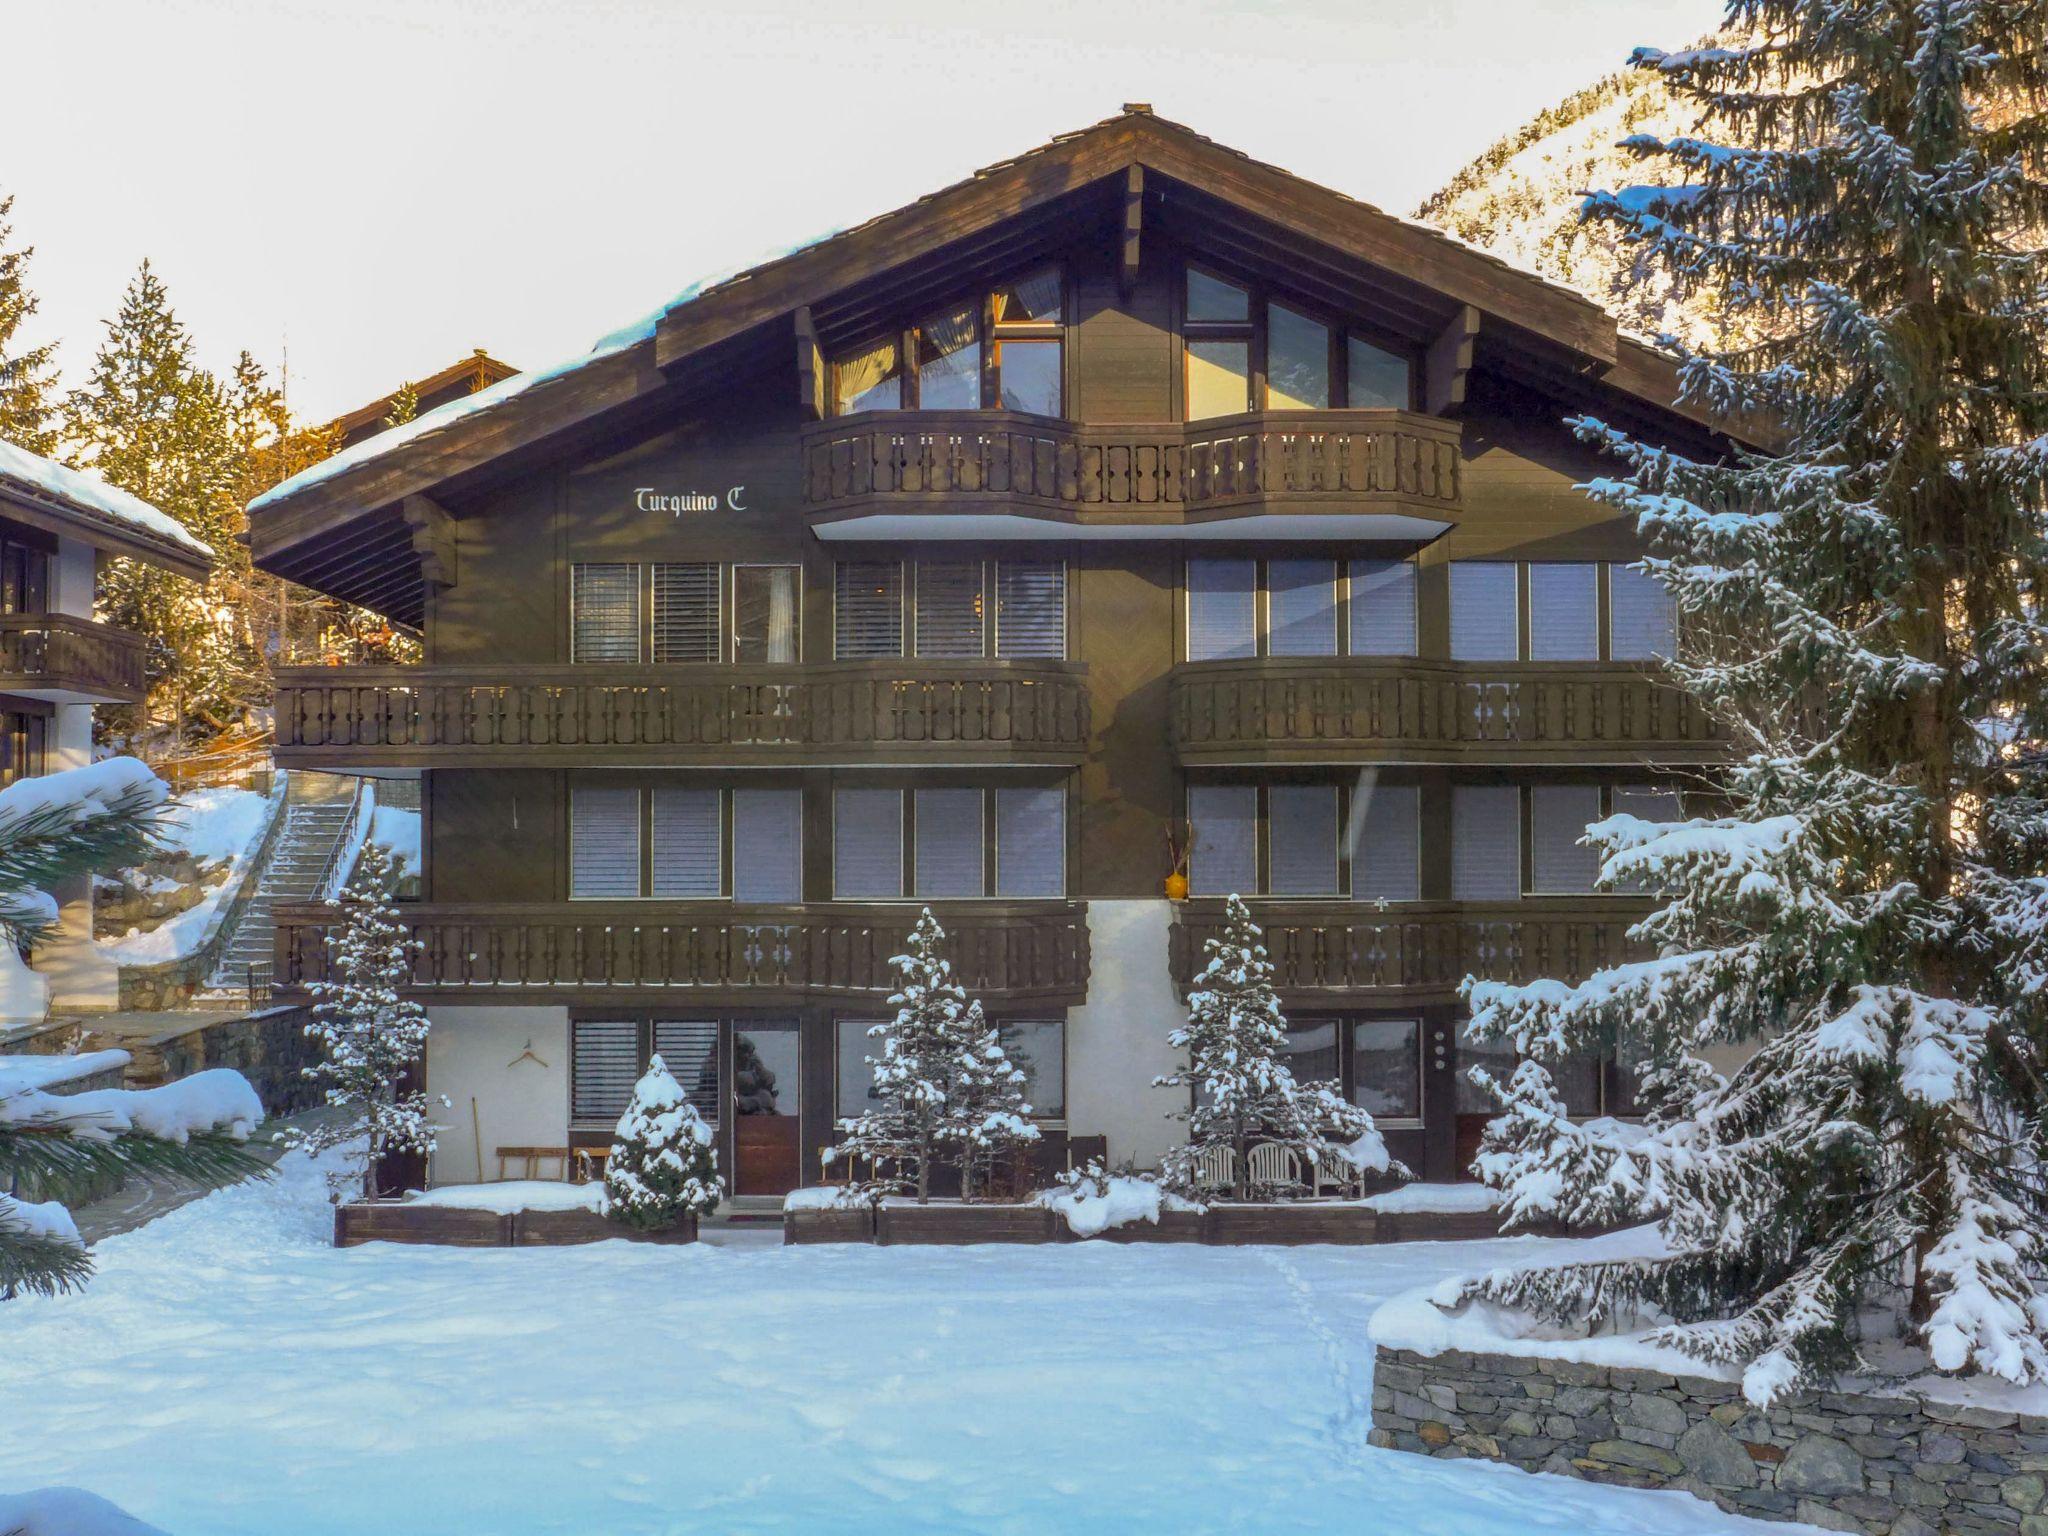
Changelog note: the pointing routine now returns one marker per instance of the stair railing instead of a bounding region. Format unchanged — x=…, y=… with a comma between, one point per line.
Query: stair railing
x=334, y=872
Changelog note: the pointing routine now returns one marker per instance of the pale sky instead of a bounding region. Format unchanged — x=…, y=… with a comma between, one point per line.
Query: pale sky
x=383, y=185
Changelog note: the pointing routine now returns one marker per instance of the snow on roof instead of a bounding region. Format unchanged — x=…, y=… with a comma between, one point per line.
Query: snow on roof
x=84, y=490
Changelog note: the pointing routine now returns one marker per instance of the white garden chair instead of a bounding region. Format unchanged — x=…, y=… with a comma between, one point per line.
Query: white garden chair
x=1216, y=1169
x=1273, y=1165
x=1337, y=1173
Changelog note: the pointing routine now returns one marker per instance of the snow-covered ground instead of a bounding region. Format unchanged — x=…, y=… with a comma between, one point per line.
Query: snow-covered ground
x=229, y=1372
x=215, y=825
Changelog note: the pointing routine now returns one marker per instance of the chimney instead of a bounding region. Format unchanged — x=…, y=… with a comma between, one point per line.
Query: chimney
x=1139, y=106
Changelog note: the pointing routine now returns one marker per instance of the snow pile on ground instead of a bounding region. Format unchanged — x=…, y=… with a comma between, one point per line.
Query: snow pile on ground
x=39, y=1218
x=1090, y=1206
x=218, y=1099
x=824, y=1197
x=213, y=826
x=18, y=1072
x=509, y=1197
x=66, y=1511
x=24, y=995
x=83, y=488
x=1458, y=1199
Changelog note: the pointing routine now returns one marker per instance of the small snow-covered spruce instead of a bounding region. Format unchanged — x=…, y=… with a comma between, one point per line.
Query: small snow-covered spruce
x=988, y=1122
x=373, y=1039
x=662, y=1165
x=1243, y=1092
x=1861, y=607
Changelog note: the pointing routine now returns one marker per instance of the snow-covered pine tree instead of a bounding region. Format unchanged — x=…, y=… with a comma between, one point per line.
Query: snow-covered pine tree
x=988, y=1119
x=28, y=375
x=908, y=1128
x=373, y=1039
x=1863, y=606
x=662, y=1165
x=1243, y=1092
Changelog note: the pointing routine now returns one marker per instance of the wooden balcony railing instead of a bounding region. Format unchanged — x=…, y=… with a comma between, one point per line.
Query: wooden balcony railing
x=899, y=711
x=1002, y=952
x=1297, y=709
x=54, y=653
x=1418, y=951
x=1359, y=461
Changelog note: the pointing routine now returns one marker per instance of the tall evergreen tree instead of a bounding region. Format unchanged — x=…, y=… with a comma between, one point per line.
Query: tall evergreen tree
x=28, y=375
x=1863, y=606
x=987, y=1120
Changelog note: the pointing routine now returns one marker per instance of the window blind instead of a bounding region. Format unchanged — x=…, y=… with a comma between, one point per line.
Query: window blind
x=1564, y=612
x=1031, y=608
x=949, y=842
x=1485, y=616
x=867, y=843
x=1301, y=839
x=604, y=842
x=1486, y=842
x=949, y=608
x=767, y=845
x=868, y=608
x=1031, y=841
x=1558, y=817
x=1223, y=856
x=1386, y=845
x=685, y=843
x=1644, y=623
x=604, y=607
x=605, y=1064
x=1222, y=609
x=1382, y=608
x=689, y=1049
x=686, y=612
x=1301, y=605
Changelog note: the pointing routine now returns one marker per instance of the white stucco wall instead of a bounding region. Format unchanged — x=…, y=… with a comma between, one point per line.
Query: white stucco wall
x=1116, y=1044
x=476, y=1055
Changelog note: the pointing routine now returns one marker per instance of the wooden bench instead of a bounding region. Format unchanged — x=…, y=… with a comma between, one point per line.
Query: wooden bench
x=533, y=1157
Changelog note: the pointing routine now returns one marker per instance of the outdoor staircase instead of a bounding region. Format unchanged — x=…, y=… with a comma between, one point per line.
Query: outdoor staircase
x=302, y=862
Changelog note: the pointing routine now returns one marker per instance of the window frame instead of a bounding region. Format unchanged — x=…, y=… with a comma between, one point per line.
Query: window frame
x=1345, y=1024
x=987, y=788
x=1345, y=791
x=643, y=788
x=1262, y=604
x=731, y=628
x=1525, y=614
x=989, y=335
x=1056, y=1016
x=1254, y=330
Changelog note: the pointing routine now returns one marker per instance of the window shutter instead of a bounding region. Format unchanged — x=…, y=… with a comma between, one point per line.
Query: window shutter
x=949, y=608
x=1564, y=612
x=604, y=603
x=606, y=1064
x=1386, y=850
x=1223, y=858
x=1222, y=609
x=1383, y=608
x=604, y=842
x=1301, y=834
x=1302, y=607
x=1485, y=617
x=868, y=609
x=1486, y=842
x=1645, y=624
x=686, y=612
x=1031, y=608
x=867, y=844
x=1031, y=841
x=948, y=834
x=767, y=845
x=689, y=1049
x=1558, y=817
x=685, y=861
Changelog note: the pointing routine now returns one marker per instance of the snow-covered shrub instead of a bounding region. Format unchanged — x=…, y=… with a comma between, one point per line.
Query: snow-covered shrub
x=663, y=1165
x=1091, y=1199
x=987, y=1122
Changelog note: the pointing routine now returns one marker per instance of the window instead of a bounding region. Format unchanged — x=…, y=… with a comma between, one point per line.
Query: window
x=1029, y=316
x=604, y=613
x=689, y=1049
x=869, y=380
x=1301, y=608
x=1386, y=1076
x=1031, y=608
x=1038, y=1049
x=23, y=746
x=1219, y=347
x=949, y=608
x=1301, y=839
x=1301, y=598
x=1643, y=623
x=868, y=609
x=1558, y=817
x=604, y=843
x=1485, y=614
x=1310, y=1051
x=1386, y=850
x=767, y=845
x=1025, y=323
x=1301, y=357
x=949, y=843
x=683, y=851
x=867, y=844
x=1486, y=842
x=686, y=624
x=1222, y=609
x=1297, y=361
x=767, y=608
x=1223, y=852
x=1497, y=1057
x=855, y=1079
x=949, y=360
x=24, y=578
x=1376, y=380
x=679, y=826
x=1031, y=842
x=1383, y=608
x=1650, y=802
x=607, y=1057
x=1564, y=612
x=1292, y=839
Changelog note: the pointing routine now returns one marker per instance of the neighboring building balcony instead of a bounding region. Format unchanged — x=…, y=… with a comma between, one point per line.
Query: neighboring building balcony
x=907, y=711
x=69, y=660
x=1417, y=952
x=1004, y=952
x=1401, y=464
x=1346, y=709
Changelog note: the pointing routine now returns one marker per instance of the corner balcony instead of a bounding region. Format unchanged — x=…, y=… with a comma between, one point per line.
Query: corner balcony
x=1374, y=709
x=1325, y=952
x=1003, y=952
x=904, y=711
x=1354, y=474
x=70, y=660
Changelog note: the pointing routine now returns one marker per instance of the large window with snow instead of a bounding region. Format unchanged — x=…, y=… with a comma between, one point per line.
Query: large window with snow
x=1297, y=361
x=608, y=1054
x=1386, y=1078
x=1038, y=1049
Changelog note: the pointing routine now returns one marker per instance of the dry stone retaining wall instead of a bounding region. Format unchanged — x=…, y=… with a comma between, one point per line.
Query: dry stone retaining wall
x=1878, y=1465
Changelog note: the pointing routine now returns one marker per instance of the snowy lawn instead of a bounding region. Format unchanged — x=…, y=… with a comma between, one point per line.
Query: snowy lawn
x=230, y=1372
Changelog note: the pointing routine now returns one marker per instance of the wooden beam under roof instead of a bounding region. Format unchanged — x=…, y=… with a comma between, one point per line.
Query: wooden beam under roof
x=1128, y=253
x=433, y=540
x=810, y=368
x=1447, y=365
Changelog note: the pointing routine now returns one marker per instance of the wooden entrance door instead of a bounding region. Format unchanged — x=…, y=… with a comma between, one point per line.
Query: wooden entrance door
x=767, y=1146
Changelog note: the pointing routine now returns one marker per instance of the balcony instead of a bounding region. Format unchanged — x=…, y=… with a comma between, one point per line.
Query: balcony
x=1326, y=951
x=1343, y=709
x=1003, y=952
x=69, y=660
x=869, y=712
x=1401, y=464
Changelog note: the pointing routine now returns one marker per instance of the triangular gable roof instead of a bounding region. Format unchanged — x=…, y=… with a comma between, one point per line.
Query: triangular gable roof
x=62, y=500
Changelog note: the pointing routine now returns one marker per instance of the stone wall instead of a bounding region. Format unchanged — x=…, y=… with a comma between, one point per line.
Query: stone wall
x=271, y=1049
x=1885, y=1466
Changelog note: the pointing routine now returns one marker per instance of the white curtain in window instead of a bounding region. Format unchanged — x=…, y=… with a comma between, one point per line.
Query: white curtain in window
x=1223, y=856
x=604, y=842
x=1302, y=607
x=1485, y=616
x=949, y=843
x=1486, y=842
x=1383, y=608
x=684, y=853
x=767, y=845
x=867, y=844
x=1222, y=609
x=1386, y=842
x=1558, y=817
x=1564, y=611
x=765, y=613
x=1301, y=838
x=1644, y=621
x=1031, y=841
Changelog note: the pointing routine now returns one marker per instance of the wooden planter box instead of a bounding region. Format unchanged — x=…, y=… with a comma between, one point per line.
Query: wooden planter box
x=445, y=1226
x=1438, y=1226
x=964, y=1224
x=1290, y=1225
x=556, y=1229
x=828, y=1226
x=1173, y=1227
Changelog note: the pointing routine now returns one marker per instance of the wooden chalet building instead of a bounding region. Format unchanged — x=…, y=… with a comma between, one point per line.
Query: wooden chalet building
x=958, y=559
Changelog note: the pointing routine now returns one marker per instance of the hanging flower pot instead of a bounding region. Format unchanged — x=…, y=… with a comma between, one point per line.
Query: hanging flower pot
x=1176, y=886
